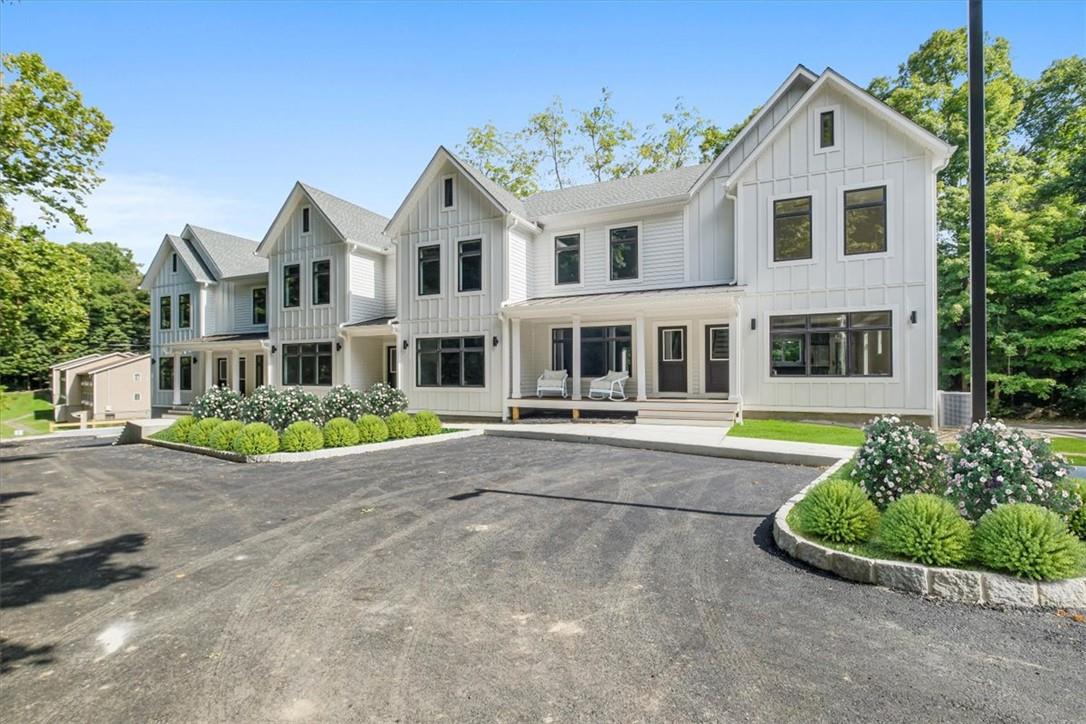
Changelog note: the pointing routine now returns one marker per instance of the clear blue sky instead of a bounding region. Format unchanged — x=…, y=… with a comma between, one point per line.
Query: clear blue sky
x=219, y=107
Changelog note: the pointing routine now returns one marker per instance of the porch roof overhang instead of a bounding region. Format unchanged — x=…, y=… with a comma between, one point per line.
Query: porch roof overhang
x=376, y=327
x=241, y=341
x=716, y=298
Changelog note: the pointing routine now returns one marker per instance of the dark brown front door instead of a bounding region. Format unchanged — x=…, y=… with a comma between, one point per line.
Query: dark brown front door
x=717, y=358
x=390, y=366
x=671, y=359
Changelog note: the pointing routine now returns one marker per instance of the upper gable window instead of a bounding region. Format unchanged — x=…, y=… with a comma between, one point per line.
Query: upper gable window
x=865, y=220
x=292, y=285
x=322, y=281
x=305, y=220
x=792, y=229
x=826, y=130
x=567, y=259
x=173, y=262
x=623, y=243
x=448, y=193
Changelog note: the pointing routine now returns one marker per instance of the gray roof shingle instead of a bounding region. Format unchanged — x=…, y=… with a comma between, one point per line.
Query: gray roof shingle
x=191, y=259
x=234, y=256
x=504, y=196
x=351, y=220
x=619, y=192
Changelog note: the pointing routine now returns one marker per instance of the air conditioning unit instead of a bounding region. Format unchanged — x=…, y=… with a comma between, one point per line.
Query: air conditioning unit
x=955, y=409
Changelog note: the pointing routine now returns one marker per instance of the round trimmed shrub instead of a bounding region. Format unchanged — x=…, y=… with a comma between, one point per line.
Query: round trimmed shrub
x=256, y=438
x=898, y=458
x=292, y=405
x=400, y=425
x=384, y=401
x=221, y=402
x=200, y=434
x=340, y=432
x=301, y=436
x=926, y=528
x=182, y=427
x=167, y=434
x=343, y=401
x=427, y=423
x=838, y=511
x=372, y=429
x=1028, y=541
x=222, y=437
x=257, y=406
x=1076, y=521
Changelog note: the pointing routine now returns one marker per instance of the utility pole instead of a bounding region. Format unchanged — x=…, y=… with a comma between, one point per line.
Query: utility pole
x=978, y=312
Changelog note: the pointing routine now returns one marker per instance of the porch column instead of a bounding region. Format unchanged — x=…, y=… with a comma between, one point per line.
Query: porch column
x=235, y=370
x=735, y=357
x=176, y=378
x=269, y=368
x=346, y=376
x=516, y=358
x=209, y=370
x=576, y=358
x=639, y=356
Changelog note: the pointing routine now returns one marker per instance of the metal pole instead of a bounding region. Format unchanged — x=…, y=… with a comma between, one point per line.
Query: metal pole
x=977, y=278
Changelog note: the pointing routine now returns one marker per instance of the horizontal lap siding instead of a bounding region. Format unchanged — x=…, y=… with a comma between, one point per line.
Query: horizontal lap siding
x=367, y=295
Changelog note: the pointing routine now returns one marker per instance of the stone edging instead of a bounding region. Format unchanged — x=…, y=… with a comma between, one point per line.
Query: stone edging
x=324, y=453
x=953, y=584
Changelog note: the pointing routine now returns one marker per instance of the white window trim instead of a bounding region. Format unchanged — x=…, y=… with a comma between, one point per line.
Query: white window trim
x=302, y=231
x=816, y=128
x=817, y=228
x=485, y=265
x=607, y=252
x=415, y=281
x=715, y=326
x=682, y=333
x=580, y=260
x=413, y=348
x=652, y=352
x=441, y=193
x=331, y=283
x=839, y=215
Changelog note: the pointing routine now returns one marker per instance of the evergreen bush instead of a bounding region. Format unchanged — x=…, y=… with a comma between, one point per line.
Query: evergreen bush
x=372, y=429
x=301, y=436
x=1028, y=541
x=256, y=438
x=927, y=529
x=427, y=423
x=839, y=511
x=400, y=426
x=222, y=437
x=340, y=432
x=200, y=434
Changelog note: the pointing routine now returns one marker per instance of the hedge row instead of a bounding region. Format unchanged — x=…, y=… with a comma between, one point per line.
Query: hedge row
x=260, y=438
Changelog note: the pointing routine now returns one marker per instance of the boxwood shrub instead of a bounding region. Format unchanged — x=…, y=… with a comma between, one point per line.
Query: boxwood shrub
x=838, y=511
x=427, y=423
x=301, y=436
x=222, y=437
x=926, y=528
x=372, y=429
x=256, y=438
x=182, y=427
x=400, y=425
x=340, y=432
x=200, y=434
x=1028, y=541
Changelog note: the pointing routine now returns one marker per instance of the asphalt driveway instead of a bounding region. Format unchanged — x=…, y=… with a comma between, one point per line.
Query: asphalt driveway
x=476, y=580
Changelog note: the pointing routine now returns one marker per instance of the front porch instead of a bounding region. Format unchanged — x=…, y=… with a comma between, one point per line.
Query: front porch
x=189, y=368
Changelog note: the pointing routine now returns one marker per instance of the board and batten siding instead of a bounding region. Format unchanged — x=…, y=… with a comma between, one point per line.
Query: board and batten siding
x=902, y=280
x=452, y=313
x=170, y=284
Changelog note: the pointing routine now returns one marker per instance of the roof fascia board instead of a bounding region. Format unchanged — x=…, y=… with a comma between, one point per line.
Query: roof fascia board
x=618, y=211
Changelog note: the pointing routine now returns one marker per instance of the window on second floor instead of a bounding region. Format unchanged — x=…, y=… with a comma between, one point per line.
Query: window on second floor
x=865, y=220
x=322, y=281
x=448, y=193
x=622, y=243
x=165, y=314
x=567, y=259
x=184, y=311
x=292, y=285
x=260, y=305
x=470, y=265
x=792, y=229
x=305, y=220
x=429, y=270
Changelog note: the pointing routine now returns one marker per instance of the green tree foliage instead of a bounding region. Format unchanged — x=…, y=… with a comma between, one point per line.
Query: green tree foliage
x=50, y=142
x=714, y=140
x=118, y=311
x=675, y=144
x=603, y=137
x=550, y=129
x=504, y=158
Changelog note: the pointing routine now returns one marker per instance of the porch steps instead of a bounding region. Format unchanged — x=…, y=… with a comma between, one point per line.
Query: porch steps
x=177, y=411
x=700, y=413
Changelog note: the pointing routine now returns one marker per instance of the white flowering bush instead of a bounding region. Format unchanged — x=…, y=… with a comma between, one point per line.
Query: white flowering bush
x=343, y=401
x=293, y=404
x=898, y=458
x=997, y=465
x=221, y=402
x=384, y=401
x=256, y=406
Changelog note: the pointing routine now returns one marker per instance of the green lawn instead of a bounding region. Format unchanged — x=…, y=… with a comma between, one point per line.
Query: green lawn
x=1074, y=448
x=799, y=432
x=29, y=411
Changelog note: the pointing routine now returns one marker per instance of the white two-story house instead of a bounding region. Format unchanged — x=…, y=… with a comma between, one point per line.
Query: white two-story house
x=795, y=274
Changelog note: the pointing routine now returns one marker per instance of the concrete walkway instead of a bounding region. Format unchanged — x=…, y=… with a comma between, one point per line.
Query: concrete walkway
x=673, y=438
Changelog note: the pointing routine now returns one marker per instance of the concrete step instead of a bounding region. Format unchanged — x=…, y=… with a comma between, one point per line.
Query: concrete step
x=720, y=424
x=725, y=415
x=690, y=405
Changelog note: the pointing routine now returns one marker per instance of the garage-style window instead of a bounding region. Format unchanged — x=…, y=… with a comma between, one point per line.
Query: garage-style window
x=567, y=259
x=292, y=285
x=622, y=243
x=856, y=344
x=165, y=313
x=470, y=265
x=260, y=305
x=792, y=229
x=429, y=270
x=184, y=311
x=450, y=362
x=322, y=281
x=865, y=220
x=165, y=373
x=307, y=364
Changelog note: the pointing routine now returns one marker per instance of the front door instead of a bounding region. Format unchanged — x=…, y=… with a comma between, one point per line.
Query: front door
x=390, y=366
x=717, y=358
x=222, y=378
x=671, y=363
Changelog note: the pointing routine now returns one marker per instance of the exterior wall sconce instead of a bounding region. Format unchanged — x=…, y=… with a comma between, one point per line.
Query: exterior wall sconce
x=912, y=317
x=339, y=345
x=154, y=361
x=274, y=348
x=753, y=324
x=494, y=341
x=405, y=344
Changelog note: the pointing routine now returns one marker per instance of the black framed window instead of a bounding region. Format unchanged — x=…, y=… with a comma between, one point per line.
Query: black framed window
x=184, y=311
x=185, y=373
x=826, y=130
x=292, y=285
x=173, y=262
x=429, y=270
x=165, y=313
x=470, y=265
x=307, y=364
x=622, y=245
x=448, y=200
x=165, y=373
x=837, y=344
x=603, y=349
x=260, y=305
x=865, y=220
x=305, y=220
x=567, y=259
x=450, y=362
x=792, y=229
x=321, y=272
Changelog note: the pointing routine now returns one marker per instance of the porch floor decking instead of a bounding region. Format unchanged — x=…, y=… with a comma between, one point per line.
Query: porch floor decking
x=693, y=411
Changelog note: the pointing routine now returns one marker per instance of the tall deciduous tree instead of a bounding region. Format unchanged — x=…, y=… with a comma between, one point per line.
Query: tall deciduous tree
x=118, y=311
x=605, y=137
x=551, y=130
x=676, y=144
x=504, y=158
x=714, y=140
